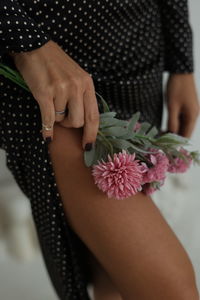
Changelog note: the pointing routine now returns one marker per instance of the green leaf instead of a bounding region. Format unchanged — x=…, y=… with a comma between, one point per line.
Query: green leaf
x=144, y=127
x=131, y=124
x=89, y=156
x=152, y=132
x=14, y=76
x=120, y=143
x=104, y=103
x=100, y=153
x=108, y=122
x=138, y=149
x=171, y=138
x=123, y=144
x=134, y=119
x=195, y=156
x=115, y=131
x=108, y=114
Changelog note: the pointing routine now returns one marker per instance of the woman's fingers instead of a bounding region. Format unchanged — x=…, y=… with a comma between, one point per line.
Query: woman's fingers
x=91, y=124
x=48, y=116
x=173, y=118
x=75, y=116
x=60, y=101
x=182, y=103
x=187, y=124
x=83, y=112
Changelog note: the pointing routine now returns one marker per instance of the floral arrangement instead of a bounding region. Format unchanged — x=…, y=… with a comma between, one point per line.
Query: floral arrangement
x=128, y=155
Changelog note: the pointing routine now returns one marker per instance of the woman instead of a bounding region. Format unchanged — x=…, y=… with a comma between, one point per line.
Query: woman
x=65, y=50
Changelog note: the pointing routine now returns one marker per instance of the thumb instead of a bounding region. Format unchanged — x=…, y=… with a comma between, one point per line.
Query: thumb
x=173, y=120
x=47, y=110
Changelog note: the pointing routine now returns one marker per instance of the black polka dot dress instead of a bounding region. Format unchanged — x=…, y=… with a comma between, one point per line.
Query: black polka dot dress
x=125, y=45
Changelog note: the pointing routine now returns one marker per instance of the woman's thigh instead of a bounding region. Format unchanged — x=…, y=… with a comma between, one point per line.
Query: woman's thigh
x=130, y=238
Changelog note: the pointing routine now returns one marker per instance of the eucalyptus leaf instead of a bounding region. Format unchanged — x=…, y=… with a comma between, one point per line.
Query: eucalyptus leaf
x=108, y=114
x=100, y=153
x=170, y=138
x=138, y=149
x=105, y=105
x=121, y=144
x=152, y=132
x=89, y=156
x=108, y=122
x=144, y=127
x=114, y=131
x=132, y=122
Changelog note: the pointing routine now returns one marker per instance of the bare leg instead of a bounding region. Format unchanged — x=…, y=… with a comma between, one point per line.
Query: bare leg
x=103, y=287
x=130, y=238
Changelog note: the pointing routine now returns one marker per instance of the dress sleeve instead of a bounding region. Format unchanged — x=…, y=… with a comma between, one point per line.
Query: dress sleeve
x=18, y=31
x=178, y=39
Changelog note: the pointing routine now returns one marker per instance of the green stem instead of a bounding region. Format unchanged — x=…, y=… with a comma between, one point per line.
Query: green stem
x=106, y=141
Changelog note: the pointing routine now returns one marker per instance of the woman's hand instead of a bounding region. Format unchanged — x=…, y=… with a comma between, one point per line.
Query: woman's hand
x=57, y=81
x=182, y=103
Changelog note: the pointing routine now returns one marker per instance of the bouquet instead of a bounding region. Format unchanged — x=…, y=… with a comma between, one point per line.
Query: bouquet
x=128, y=155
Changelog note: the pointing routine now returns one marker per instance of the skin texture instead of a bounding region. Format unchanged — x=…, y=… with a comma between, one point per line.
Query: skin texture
x=182, y=103
x=130, y=238
x=132, y=250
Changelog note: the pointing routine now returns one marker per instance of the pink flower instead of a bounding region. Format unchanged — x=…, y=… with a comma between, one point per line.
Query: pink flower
x=178, y=165
x=159, y=167
x=150, y=188
x=121, y=176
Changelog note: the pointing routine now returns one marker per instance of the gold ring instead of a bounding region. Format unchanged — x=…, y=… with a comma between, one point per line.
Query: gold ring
x=46, y=127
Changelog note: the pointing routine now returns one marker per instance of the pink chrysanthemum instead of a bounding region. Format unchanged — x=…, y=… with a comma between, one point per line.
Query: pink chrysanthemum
x=119, y=177
x=178, y=165
x=159, y=167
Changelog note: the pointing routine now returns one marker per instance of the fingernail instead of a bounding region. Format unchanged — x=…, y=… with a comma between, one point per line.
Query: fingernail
x=48, y=140
x=88, y=147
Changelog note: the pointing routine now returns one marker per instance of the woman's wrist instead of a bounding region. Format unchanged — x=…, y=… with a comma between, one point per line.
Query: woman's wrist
x=18, y=55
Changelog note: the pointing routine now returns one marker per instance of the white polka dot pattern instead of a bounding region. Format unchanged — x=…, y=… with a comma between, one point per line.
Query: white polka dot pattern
x=125, y=45
x=177, y=33
x=18, y=31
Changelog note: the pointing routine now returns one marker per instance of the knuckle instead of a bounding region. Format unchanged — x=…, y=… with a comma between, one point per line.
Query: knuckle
x=77, y=123
x=93, y=117
x=44, y=95
x=75, y=82
x=48, y=120
x=88, y=79
x=60, y=85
